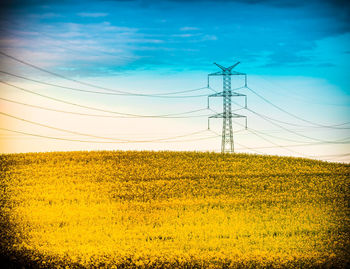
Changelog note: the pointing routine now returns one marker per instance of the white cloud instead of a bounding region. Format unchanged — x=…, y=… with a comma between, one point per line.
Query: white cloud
x=96, y=27
x=209, y=37
x=144, y=40
x=92, y=15
x=184, y=35
x=187, y=28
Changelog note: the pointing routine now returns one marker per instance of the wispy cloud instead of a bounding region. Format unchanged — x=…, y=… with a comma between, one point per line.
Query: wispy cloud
x=101, y=28
x=48, y=15
x=209, y=37
x=131, y=30
x=183, y=35
x=145, y=40
x=187, y=28
x=92, y=15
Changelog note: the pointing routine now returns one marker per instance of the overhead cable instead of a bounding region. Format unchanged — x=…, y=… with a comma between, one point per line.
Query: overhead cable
x=297, y=97
x=245, y=147
x=287, y=112
x=102, y=142
x=273, y=143
x=94, y=136
x=119, y=92
x=296, y=133
x=99, y=109
x=103, y=116
x=335, y=126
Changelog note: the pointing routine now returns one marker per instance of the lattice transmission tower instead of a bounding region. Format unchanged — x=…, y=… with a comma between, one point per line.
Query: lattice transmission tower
x=227, y=144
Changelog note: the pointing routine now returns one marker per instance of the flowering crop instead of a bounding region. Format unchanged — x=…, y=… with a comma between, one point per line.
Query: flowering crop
x=174, y=209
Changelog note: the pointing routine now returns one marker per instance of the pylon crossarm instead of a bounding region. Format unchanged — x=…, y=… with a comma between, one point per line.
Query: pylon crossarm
x=221, y=94
x=216, y=74
x=237, y=73
x=219, y=115
x=218, y=94
x=233, y=66
x=238, y=94
x=220, y=66
x=234, y=115
x=231, y=115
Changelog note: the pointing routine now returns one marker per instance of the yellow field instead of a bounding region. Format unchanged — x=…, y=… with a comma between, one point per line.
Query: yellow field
x=174, y=209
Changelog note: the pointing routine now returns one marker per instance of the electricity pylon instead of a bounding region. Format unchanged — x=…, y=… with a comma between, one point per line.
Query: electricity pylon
x=227, y=144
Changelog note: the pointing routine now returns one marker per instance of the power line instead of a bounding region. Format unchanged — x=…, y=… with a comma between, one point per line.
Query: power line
x=245, y=147
x=101, y=142
x=104, y=116
x=94, y=136
x=298, y=125
x=273, y=143
x=158, y=140
x=289, y=130
x=297, y=97
x=98, y=109
x=165, y=95
x=289, y=113
x=256, y=132
x=310, y=128
x=286, y=146
x=297, y=141
x=59, y=129
x=113, y=91
x=293, y=132
x=334, y=155
x=276, y=145
x=294, y=145
x=340, y=141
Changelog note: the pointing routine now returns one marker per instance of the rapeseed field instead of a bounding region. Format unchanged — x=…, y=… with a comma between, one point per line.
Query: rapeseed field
x=173, y=210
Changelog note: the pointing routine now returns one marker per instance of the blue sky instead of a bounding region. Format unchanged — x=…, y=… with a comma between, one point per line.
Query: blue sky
x=291, y=50
x=273, y=37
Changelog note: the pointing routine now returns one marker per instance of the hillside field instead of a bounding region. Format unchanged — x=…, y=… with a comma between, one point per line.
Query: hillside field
x=173, y=209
